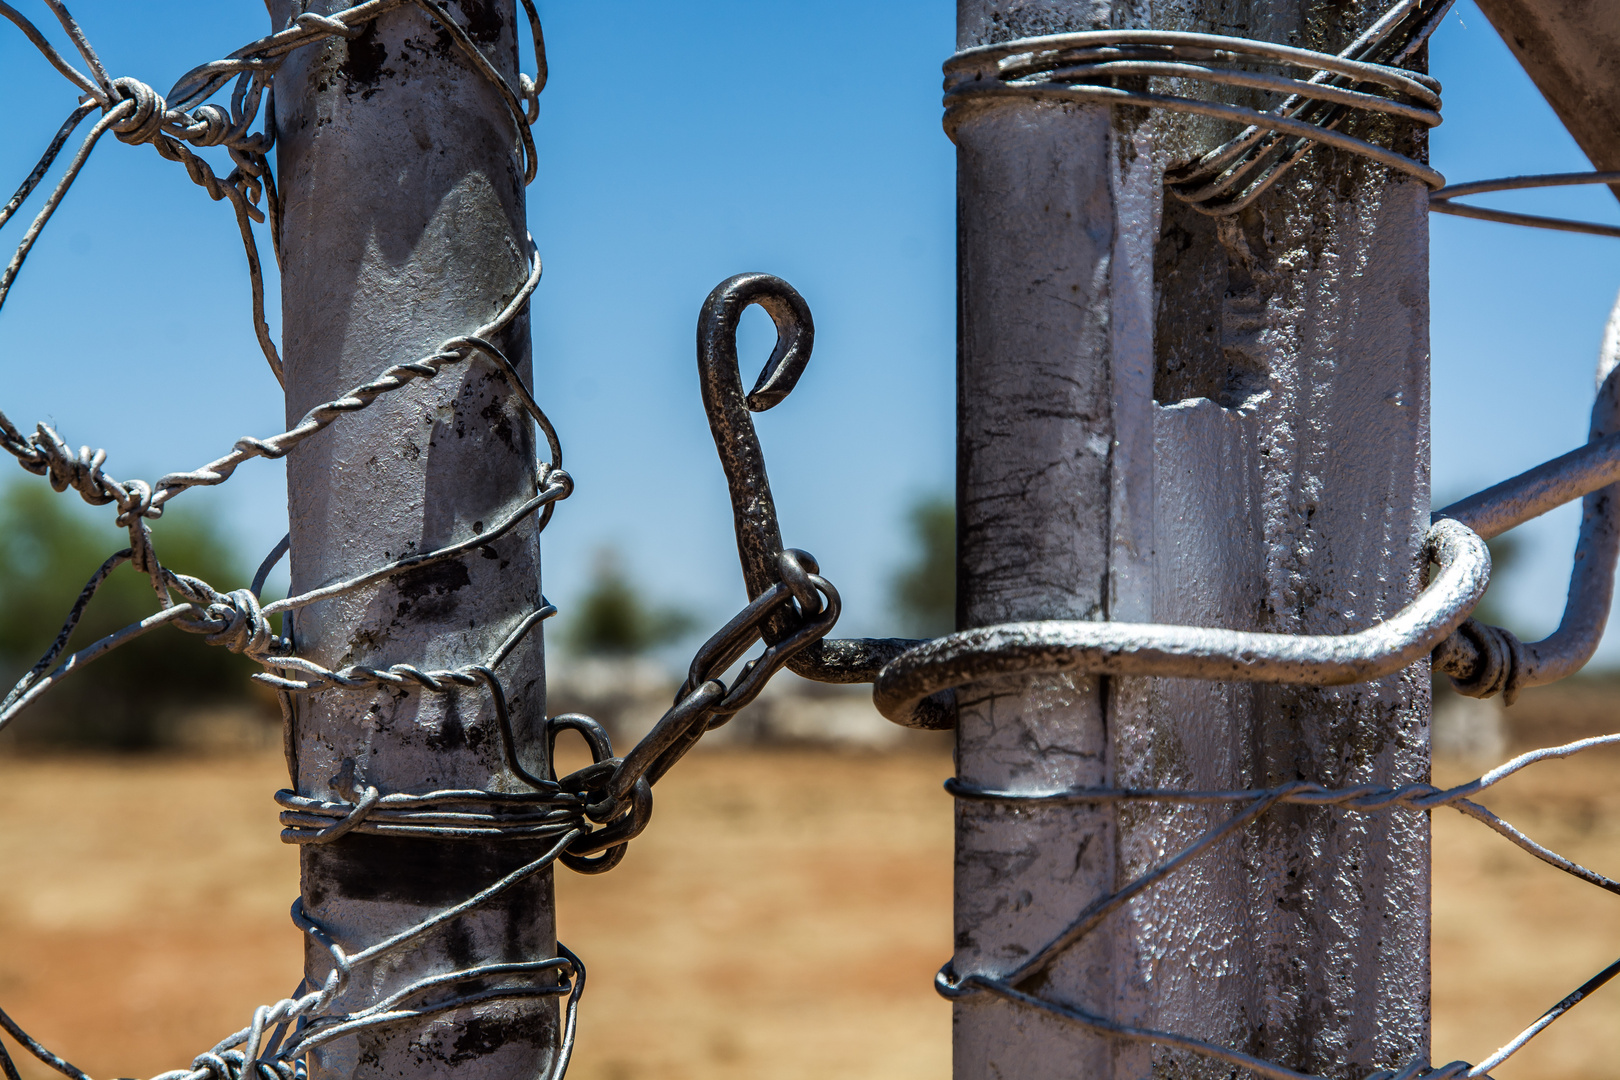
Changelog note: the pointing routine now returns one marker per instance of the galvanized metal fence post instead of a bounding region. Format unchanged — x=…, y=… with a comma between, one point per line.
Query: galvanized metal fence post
x=1176, y=418
x=403, y=227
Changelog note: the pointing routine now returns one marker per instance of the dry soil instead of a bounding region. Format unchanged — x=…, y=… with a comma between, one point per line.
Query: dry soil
x=782, y=918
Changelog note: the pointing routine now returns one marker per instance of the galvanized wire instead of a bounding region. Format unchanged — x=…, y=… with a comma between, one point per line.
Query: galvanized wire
x=562, y=812
x=1440, y=202
x=1366, y=78
x=590, y=816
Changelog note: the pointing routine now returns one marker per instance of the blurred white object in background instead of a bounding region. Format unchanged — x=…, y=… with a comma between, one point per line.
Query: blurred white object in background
x=1472, y=730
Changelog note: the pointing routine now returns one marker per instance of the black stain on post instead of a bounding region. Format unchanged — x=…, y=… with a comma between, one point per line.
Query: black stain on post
x=366, y=64
x=429, y=591
x=415, y=870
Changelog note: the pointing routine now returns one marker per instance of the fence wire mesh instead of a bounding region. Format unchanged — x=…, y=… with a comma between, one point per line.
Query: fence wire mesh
x=589, y=817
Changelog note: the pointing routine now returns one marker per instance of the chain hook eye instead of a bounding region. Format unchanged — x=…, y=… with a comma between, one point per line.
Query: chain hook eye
x=759, y=536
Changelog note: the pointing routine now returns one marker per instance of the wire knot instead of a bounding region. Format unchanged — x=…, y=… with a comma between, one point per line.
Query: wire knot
x=246, y=628
x=1501, y=667
x=81, y=470
x=145, y=123
x=209, y=125
x=226, y=1065
x=134, y=503
x=311, y=20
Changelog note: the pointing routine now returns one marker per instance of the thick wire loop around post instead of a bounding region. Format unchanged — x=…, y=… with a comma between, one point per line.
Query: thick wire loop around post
x=1111, y=67
x=586, y=819
x=1114, y=648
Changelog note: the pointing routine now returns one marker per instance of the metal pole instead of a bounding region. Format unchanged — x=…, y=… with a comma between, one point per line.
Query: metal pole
x=1174, y=418
x=404, y=227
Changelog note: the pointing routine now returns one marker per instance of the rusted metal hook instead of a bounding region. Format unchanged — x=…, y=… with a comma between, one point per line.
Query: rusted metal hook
x=759, y=537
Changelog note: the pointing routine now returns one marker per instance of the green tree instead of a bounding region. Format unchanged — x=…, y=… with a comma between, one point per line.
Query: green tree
x=613, y=618
x=129, y=698
x=925, y=589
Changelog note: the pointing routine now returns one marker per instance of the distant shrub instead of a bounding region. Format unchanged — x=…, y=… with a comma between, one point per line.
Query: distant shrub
x=925, y=590
x=614, y=619
x=138, y=696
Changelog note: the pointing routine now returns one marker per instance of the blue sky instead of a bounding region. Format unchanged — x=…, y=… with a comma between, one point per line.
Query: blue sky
x=682, y=143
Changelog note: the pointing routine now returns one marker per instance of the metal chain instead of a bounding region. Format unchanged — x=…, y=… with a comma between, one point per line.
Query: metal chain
x=589, y=816
x=791, y=606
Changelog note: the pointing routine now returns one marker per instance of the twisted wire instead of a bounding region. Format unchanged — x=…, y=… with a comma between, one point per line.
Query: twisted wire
x=282, y=1033
x=173, y=124
x=1364, y=798
x=236, y=620
x=791, y=615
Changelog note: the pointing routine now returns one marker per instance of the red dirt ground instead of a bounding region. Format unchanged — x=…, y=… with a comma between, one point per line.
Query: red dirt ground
x=782, y=918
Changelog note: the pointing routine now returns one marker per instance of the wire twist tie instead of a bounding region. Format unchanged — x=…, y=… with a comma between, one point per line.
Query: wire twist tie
x=311, y=20
x=1501, y=668
x=247, y=628
x=144, y=124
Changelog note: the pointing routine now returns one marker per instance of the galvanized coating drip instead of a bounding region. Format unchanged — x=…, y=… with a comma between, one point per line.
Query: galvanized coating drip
x=1368, y=798
x=1086, y=67
x=590, y=816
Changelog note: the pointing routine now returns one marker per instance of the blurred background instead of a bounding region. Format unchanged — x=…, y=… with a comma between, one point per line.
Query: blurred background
x=788, y=915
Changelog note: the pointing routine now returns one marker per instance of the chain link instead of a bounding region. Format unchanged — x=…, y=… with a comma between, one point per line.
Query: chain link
x=589, y=817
